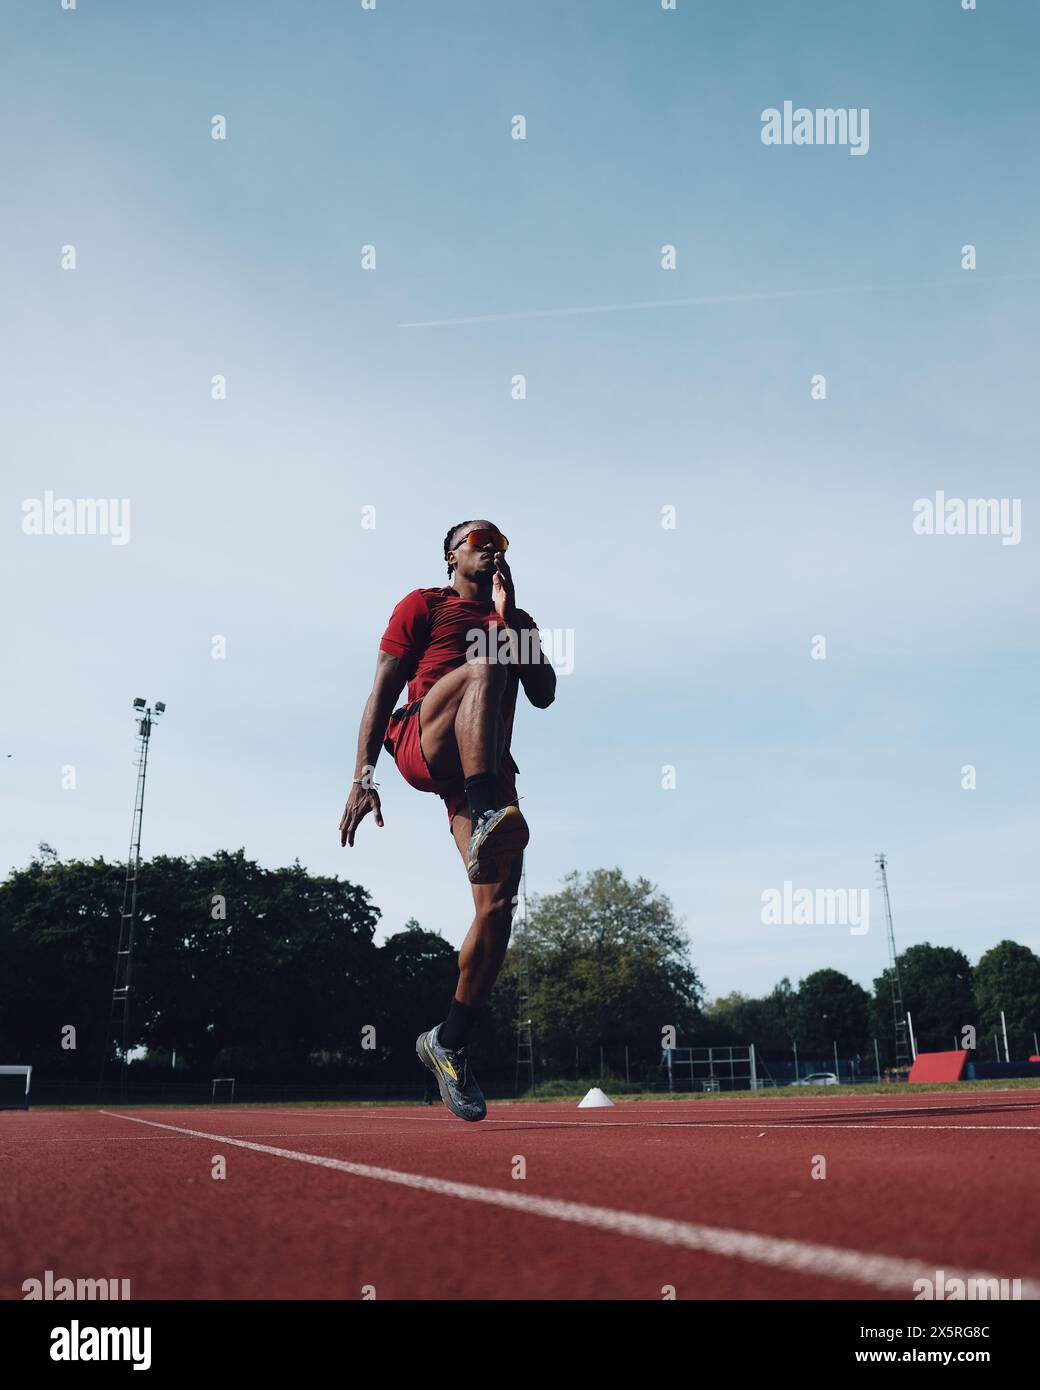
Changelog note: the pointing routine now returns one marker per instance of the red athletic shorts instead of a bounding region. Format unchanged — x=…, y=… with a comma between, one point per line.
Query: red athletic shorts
x=402, y=742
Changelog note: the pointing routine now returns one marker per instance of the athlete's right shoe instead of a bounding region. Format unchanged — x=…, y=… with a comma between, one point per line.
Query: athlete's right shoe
x=497, y=838
x=459, y=1091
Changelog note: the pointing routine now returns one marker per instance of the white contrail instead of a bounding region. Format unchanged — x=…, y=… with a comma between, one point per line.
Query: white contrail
x=708, y=299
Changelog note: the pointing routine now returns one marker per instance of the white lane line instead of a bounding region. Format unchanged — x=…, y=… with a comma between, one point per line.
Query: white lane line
x=769, y=1125
x=873, y=1104
x=159, y=1138
x=511, y=1122
x=727, y=1124
x=888, y=1272
x=774, y=1109
x=860, y=1110
x=796, y=1101
x=544, y=1123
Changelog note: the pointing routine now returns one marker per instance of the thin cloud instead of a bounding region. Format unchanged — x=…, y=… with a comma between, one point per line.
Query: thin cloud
x=711, y=299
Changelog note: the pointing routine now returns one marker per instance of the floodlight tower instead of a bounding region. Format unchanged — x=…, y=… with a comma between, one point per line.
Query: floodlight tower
x=898, y=1012
x=119, y=1013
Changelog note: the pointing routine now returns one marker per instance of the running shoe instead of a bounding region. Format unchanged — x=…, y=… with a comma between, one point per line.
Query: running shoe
x=498, y=837
x=459, y=1091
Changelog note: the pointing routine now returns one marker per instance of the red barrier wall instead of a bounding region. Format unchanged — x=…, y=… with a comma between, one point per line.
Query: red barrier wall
x=938, y=1066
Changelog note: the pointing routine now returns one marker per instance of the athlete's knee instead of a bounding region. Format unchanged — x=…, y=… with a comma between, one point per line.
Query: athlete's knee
x=497, y=912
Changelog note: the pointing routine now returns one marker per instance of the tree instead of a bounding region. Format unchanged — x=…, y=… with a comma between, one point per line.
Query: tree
x=937, y=990
x=1008, y=977
x=234, y=965
x=608, y=965
x=418, y=973
x=829, y=1008
x=254, y=967
x=737, y=1019
x=58, y=928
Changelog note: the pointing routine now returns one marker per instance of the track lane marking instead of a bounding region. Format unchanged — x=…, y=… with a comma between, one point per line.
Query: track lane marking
x=511, y=1122
x=774, y=1123
x=890, y=1273
x=158, y=1138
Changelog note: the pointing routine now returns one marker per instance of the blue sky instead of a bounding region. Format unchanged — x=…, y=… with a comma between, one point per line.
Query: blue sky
x=241, y=257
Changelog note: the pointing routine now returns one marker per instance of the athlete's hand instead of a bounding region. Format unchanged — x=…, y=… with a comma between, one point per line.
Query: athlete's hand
x=505, y=593
x=361, y=800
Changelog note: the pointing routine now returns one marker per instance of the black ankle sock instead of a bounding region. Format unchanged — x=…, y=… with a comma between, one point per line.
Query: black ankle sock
x=481, y=795
x=456, y=1028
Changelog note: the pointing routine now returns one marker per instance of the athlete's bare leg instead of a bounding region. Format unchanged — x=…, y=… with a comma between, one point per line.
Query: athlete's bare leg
x=461, y=727
x=443, y=1049
x=462, y=735
x=484, y=949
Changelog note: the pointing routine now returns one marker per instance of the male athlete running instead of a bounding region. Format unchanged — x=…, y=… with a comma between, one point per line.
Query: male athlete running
x=463, y=649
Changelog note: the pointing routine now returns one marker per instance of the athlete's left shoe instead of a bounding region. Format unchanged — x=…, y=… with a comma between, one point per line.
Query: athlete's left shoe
x=497, y=838
x=459, y=1091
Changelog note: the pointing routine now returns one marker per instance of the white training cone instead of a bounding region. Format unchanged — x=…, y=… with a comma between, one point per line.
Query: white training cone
x=594, y=1098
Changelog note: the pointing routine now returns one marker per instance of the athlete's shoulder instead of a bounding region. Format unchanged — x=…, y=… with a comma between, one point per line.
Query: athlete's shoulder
x=435, y=598
x=409, y=625
x=418, y=599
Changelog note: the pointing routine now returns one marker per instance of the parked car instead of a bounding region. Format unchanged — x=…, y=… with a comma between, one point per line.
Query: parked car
x=818, y=1078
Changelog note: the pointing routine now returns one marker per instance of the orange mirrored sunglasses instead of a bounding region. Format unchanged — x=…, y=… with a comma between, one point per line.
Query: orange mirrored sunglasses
x=480, y=538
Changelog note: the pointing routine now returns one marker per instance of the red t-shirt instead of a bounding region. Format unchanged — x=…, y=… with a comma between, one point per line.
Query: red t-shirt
x=428, y=631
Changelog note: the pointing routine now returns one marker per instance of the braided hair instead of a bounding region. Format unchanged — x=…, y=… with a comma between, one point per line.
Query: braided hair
x=447, y=541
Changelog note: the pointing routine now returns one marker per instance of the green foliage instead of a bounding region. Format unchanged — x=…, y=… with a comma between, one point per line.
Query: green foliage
x=566, y=1088
x=737, y=1019
x=418, y=971
x=608, y=965
x=938, y=991
x=1008, y=977
x=273, y=975
x=234, y=965
x=829, y=1008
x=58, y=929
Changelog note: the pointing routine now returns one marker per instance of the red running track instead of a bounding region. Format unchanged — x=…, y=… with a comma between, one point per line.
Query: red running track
x=713, y=1198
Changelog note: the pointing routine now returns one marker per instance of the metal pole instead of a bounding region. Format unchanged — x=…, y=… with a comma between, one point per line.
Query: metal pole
x=837, y=1067
x=146, y=729
x=898, y=1013
x=1036, y=1050
x=913, y=1040
x=795, y=1045
x=754, y=1072
x=1003, y=1024
x=877, y=1060
x=122, y=988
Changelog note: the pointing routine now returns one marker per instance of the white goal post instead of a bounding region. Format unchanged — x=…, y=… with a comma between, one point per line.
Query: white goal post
x=20, y=1099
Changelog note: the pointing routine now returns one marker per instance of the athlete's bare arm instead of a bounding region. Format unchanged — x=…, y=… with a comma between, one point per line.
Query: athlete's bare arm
x=537, y=676
x=389, y=682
